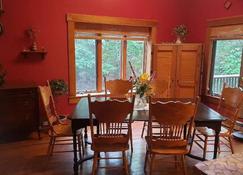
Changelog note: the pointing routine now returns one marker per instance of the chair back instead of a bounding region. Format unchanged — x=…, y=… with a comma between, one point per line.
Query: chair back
x=118, y=88
x=48, y=106
x=109, y=115
x=172, y=119
x=229, y=105
x=159, y=88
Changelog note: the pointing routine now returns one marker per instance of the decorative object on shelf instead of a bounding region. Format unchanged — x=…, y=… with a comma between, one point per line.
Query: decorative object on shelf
x=180, y=31
x=32, y=34
x=33, y=49
x=227, y=4
x=2, y=75
x=58, y=87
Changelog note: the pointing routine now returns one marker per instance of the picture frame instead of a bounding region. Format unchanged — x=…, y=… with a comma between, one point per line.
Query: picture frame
x=227, y=4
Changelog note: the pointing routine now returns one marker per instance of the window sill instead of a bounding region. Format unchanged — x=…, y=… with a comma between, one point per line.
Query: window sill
x=75, y=99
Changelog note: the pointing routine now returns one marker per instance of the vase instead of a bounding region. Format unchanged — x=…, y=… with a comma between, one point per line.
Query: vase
x=178, y=40
x=140, y=102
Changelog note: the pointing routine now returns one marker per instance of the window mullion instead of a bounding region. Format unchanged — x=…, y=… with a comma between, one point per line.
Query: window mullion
x=99, y=64
x=124, y=59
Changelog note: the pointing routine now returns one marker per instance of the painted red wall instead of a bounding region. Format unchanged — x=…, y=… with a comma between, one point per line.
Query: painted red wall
x=199, y=11
x=48, y=16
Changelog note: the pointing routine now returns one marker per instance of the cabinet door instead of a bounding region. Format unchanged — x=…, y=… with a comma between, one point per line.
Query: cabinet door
x=188, y=70
x=164, y=65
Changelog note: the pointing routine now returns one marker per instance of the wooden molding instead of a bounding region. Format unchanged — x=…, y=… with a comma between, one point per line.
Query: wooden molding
x=225, y=21
x=111, y=20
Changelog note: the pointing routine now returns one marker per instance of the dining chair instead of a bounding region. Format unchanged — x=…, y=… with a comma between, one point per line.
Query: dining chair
x=229, y=106
x=172, y=137
x=159, y=88
x=59, y=130
x=119, y=89
x=110, y=136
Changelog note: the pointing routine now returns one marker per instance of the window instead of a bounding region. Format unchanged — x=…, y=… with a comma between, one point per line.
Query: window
x=225, y=53
x=106, y=46
x=226, y=65
x=85, y=61
x=117, y=57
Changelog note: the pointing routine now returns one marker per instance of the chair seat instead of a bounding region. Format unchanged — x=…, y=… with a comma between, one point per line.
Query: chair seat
x=211, y=133
x=62, y=130
x=167, y=146
x=110, y=144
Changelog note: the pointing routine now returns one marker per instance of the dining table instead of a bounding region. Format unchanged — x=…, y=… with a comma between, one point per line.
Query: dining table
x=205, y=117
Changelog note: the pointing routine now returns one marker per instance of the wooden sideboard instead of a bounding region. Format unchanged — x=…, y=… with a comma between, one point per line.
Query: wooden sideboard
x=19, y=112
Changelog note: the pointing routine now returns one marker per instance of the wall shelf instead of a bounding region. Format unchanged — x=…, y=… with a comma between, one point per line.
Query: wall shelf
x=42, y=53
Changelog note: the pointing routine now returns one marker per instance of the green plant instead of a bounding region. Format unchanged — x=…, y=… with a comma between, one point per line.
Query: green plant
x=180, y=30
x=2, y=75
x=58, y=86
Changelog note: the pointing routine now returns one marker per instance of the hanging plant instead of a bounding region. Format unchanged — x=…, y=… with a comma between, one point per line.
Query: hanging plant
x=2, y=75
x=58, y=87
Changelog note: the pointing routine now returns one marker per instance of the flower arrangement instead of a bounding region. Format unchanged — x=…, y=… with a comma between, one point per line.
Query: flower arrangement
x=142, y=85
x=2, y=75
x=180, y=30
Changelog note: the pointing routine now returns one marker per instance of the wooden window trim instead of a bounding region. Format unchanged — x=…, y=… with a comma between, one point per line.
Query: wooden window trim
x=73, y=19
x=214, y=23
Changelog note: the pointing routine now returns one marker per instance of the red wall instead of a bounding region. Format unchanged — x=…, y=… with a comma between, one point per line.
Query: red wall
x=48, y=16
x=199, y=11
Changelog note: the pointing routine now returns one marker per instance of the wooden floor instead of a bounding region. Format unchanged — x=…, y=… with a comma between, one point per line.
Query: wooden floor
x=29, y=157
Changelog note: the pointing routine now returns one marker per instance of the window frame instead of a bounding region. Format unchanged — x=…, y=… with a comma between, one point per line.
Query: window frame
x=73, y=19
x=215, y=30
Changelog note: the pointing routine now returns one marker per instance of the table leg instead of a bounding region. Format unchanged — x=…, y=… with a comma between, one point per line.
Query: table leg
x=75, y=159
x=216, y=142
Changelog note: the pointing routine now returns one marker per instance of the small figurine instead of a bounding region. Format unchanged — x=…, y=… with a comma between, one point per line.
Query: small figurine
x=32, y=34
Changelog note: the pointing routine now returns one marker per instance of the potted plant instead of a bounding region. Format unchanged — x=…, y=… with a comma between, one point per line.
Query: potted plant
x=2, y=75
x=58, y=86
x=180, y=31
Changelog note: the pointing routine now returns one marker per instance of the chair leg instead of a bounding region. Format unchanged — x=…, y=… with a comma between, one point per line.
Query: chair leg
x=144, y=125
x=205, y=147
x=131, y=142
x=192, y=139
x=183, y=165
x=145, y=161
x=94, y=168
x=52, y=146
x=49, y=146
x=231, y=146
x=125, y=163
x=79, y=146
x=151, y=164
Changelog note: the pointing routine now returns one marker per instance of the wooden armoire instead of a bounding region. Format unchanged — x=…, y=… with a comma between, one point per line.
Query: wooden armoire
x=179, y=65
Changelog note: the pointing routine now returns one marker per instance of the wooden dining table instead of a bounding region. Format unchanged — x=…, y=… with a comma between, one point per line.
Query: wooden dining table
x=205, y=117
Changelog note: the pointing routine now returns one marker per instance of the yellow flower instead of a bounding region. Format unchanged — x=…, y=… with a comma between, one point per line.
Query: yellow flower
x=144, y=77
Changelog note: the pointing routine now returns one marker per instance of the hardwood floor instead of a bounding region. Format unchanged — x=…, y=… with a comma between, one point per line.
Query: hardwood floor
x=29, y=157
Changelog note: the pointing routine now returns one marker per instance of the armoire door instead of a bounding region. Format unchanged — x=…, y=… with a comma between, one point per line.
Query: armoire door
x=164, y=65
x=188, y=70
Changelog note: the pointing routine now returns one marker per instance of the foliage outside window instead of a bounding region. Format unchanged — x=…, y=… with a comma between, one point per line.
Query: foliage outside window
x=114, y=54
x=227, y=62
